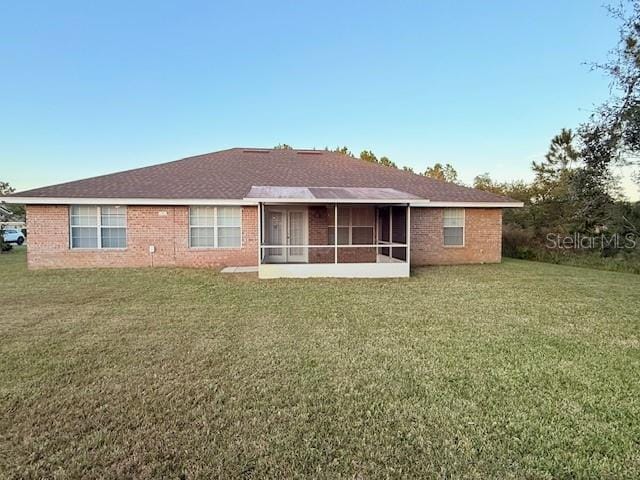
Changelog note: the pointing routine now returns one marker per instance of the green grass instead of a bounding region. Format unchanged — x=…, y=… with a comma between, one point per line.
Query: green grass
x=518, y=370
x=625, y=262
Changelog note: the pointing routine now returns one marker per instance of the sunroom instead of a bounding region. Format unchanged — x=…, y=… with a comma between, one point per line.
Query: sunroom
x=333, y=231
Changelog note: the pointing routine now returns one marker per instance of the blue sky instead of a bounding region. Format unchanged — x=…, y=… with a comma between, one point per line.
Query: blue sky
x=94, y=87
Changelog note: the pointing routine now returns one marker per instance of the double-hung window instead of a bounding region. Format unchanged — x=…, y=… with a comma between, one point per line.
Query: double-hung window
x=98, y=226
x=453, y=227
x=215, y=227
x=355, y=225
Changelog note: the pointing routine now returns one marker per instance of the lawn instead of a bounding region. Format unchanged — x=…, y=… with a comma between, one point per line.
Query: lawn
x=518, y=370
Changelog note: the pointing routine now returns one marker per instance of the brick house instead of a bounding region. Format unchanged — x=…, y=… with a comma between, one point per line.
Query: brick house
x=293, y=213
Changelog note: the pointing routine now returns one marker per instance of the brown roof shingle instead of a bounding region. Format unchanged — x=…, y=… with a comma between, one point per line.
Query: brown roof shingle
x=230, y=174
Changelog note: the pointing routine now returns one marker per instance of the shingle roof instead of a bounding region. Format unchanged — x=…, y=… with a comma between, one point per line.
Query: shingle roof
x=230, y=174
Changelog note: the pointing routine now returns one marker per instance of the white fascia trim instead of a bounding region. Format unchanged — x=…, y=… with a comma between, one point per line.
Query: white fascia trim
x=245, y=201
x=286, y=201
x=419, y=203
x=124, y=201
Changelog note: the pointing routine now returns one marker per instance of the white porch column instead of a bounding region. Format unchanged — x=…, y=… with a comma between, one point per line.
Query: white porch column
x=260, y=231
x=335, y=232
x=408, y=242
x=390, y=233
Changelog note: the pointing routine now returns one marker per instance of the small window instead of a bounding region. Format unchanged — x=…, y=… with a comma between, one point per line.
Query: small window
x=98, y=227
x=215, y=227
x=453, y=226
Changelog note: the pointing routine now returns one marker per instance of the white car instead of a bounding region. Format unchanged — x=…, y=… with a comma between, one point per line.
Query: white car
x=11, y=235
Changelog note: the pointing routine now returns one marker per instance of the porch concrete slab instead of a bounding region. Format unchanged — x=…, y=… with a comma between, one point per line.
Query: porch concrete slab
x=240, y=270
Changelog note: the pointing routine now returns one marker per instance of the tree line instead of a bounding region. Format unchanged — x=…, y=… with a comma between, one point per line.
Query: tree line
x=438, y=171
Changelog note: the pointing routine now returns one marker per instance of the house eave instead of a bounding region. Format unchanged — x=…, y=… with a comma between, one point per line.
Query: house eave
x=124, y=201
x=447, y=204
x=247, y=201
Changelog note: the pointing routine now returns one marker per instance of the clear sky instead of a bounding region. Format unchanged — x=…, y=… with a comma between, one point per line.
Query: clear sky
x=94, y=87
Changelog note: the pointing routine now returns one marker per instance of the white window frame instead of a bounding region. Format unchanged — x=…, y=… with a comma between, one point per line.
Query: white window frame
x=215, y=227
x=464, y=227
x=350, y=226
x=98, y=226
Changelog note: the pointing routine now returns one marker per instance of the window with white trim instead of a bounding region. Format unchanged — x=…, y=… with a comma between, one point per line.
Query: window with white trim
x=98, y=226
x=355, y=225
x=453, y=226
x=215, y=227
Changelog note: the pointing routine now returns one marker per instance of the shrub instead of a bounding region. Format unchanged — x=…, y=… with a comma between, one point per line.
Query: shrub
x=517, y=242
x=4, y=247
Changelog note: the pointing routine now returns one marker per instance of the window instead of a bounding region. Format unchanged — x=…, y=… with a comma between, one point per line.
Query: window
x=454, y=226
x=215, y=227
x=355, y=225
x=98, y=227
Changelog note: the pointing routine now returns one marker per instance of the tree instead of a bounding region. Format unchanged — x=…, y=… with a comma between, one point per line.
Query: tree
x=408, y=169
x=445, y=173
x=369, y=156
x=386, y=162
x=555, y=206
x=612, y=134
x=283, y=146
x=17, y=210
x=6, y=189
x=343, y=150
x=484, y=182
x=517, y=190
x=555, y=170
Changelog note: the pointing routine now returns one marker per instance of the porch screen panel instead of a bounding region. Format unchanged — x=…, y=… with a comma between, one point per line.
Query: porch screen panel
x=355, y=225
x=343, y=225
x=362, y=222
x=344, y=214
x=399, y=233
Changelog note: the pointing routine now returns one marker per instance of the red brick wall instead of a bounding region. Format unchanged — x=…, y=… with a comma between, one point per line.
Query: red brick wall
x=165, y=227
x=483, y=237
x=319, y=235
x=48, y=240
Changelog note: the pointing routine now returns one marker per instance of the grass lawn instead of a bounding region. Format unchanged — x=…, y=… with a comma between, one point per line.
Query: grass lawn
x=518, y=370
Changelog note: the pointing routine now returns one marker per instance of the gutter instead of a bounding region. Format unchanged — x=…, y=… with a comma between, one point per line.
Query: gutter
x=247, y=201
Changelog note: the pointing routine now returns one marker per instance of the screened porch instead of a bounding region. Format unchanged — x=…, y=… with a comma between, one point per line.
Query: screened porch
x=368, y=240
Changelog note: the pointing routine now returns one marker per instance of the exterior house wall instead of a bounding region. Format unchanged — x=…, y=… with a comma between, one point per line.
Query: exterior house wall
x=482, y=237
x=165, y=227
x=319, y=235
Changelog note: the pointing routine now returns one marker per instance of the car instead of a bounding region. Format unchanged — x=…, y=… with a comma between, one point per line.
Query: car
x=11, y=235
